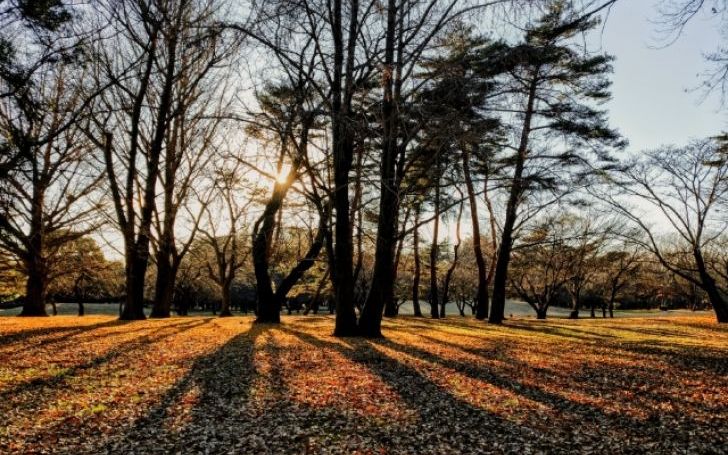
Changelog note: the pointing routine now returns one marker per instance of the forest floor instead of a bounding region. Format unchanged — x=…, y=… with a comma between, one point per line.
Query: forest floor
x=206, y=385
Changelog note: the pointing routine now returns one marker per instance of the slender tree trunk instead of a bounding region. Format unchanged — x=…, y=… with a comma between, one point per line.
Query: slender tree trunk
x=506, y=245
x=418, y=265
x=434, y=252
x=453, y=266
x=481, y=298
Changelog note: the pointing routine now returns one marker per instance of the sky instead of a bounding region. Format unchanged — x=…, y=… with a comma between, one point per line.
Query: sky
x=654, y=101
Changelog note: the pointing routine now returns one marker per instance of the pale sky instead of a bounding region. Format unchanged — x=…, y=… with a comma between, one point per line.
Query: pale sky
x=653, y=101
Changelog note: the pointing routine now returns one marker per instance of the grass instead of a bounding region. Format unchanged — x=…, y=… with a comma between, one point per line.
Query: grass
x=208, y=385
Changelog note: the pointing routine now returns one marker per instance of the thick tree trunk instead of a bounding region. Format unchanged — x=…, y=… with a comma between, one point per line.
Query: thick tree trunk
x=268, y=306
x=481, y=297
x=164, y=286
x=575, y=304
x=134, y=304
x=381, y=291
x=719, y=304
x=343, y=150
x=35, y=289
x=418, y=265
x=225, y=308
x=541, y=313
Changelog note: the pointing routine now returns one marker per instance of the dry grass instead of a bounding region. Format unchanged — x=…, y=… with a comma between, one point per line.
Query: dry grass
x=204, y=385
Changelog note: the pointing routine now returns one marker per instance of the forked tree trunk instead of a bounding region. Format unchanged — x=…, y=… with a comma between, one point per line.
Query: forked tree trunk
x=453, y=266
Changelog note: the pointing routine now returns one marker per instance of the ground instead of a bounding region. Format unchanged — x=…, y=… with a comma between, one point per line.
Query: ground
x=207, y=385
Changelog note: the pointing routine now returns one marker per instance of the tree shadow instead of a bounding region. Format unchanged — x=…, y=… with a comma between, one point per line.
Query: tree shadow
x=37, y=393
x=446, y=424
x=64, y=331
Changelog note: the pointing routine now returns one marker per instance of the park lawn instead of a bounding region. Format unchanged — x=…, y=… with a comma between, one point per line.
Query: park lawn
x=208, y=385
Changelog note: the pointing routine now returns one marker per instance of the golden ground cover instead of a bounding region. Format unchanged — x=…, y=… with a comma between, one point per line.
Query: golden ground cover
x=207, y=385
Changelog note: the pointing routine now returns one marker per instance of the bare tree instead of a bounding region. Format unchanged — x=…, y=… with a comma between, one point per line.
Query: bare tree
x=686, y=186
x=226, y=236
x=50, y=198
x=145, y=60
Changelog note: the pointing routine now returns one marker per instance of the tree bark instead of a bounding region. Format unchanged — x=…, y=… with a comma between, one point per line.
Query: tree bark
x=225, y=308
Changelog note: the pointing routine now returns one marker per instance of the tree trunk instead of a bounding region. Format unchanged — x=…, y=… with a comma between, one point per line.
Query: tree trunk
x=541, y=313
x=268, y=306
x=133, y=309
x=35, y=289
x=481, y=298
x=719, y=304
x=225, y=309
x=453, y=266
x=504, y=253
x=343, y=150
x=418, y=265
x=575, y=304
x=381, y=291
x=164, y=286
x=434, y=305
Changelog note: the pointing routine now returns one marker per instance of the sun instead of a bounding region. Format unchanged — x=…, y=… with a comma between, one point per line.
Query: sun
x=282, y=175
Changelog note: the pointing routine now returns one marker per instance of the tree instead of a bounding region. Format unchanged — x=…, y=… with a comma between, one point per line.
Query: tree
x=83, y=274
x=554, y=87
x=621, y=266
x=542, y=266
x=676, y=14
x=144, y=62
x=289, y=116
x=50, y=198
x=198, y=107
x=226, y=250
x=686, y=186
x=42, y=31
